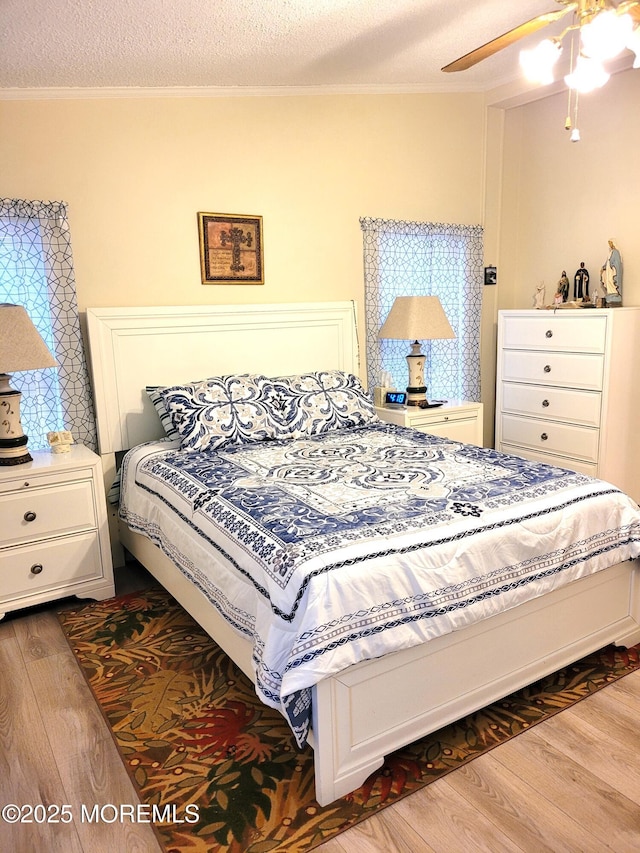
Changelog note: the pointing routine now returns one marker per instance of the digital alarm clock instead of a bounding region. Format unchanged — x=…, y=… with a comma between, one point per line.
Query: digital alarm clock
x=395, y=398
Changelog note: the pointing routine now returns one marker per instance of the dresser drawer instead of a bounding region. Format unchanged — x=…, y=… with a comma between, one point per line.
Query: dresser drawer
x=38, y=513
x=25, y=570
x=570, y=370
x=578, y=333
x=550, y=437
x=578, y=465
x=564, y=404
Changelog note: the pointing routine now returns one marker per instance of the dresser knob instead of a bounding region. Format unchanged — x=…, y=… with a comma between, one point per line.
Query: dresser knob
x=547, y=368
x=544, y=436
x=549, y=333
x=545, y=404
x=36, y=568
x=30, y=516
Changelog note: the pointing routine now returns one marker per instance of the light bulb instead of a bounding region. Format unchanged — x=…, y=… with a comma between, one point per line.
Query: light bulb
x=633, y=43
x=587, y=76
x=537, y=64
x=606, y=35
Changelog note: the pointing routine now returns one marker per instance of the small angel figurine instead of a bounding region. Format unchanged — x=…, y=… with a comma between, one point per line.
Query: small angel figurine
x=538, y=296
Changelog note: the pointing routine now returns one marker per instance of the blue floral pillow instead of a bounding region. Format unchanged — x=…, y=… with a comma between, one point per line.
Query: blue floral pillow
x=165, y=418
x=315, y=403
x=223, y=410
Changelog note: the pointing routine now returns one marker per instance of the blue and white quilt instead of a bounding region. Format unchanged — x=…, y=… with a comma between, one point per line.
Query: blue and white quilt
x=339, y=548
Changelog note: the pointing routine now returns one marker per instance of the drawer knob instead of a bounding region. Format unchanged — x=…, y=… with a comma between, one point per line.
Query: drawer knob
x=30, y=515
x=545, y=404
x=36, y=568
x=547, y=368
x=544, y=436
x=549, y=333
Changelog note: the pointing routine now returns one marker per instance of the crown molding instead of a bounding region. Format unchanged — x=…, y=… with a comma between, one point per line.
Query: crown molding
x=125, y=92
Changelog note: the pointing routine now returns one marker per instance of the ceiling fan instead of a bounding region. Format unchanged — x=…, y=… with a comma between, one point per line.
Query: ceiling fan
x=585, y=12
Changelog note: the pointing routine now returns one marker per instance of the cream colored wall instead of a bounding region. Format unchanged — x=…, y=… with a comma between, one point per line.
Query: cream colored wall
x=562, y=201
x=136, y=171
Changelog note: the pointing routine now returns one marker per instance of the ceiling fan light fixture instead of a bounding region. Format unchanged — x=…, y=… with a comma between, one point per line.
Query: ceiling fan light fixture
x=538, y=63
x=633, y=43
x=606, y=35
x=587, y=75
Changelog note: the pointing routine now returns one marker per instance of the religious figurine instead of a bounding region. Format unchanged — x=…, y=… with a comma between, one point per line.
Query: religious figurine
x=581, y=284
x=563, y=287
x=538, y=296
x=611, y=276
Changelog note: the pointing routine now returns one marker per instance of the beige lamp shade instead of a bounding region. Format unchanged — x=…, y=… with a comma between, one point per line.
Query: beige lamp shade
x=416, y=318
x=21, y=347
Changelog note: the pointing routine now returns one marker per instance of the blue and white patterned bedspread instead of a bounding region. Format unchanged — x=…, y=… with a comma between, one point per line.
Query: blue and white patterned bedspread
x=341, y=548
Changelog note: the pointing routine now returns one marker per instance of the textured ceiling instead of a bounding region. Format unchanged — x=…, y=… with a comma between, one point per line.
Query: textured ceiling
x=349, y=44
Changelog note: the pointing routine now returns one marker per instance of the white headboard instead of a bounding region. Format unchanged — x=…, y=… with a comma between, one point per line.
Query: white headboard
x=134, y=347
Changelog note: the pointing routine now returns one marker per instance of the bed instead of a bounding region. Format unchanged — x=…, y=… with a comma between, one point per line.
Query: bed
x=354, y=696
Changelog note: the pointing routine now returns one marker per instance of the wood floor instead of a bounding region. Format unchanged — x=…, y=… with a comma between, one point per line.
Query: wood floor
x=572, y=783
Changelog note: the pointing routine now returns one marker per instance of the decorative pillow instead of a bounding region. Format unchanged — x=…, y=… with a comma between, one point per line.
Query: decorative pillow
x=223, y=410
x=165, y=418
x=316, y=403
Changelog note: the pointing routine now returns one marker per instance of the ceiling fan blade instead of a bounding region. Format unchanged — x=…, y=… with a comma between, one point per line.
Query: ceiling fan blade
x=634, y=11
x=507, y=39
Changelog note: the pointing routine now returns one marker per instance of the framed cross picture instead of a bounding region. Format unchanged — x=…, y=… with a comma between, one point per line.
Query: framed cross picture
x=230, y=248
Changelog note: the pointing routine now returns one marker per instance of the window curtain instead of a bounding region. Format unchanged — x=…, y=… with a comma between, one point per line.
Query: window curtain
x=425, y=259
x=36, y=271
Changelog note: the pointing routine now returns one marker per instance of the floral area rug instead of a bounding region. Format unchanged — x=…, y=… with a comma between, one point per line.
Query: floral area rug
x=195, y=738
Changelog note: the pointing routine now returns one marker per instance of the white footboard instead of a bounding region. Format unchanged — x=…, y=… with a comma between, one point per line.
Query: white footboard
x=376, y=707
x=369, y=710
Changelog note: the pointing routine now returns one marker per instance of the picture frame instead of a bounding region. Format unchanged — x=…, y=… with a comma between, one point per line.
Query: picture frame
x=490, y=275
x=231, y=248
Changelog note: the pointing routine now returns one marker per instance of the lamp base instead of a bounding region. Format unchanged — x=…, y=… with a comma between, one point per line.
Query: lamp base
x=416, y=389
x=13, y=441
x=14, y=451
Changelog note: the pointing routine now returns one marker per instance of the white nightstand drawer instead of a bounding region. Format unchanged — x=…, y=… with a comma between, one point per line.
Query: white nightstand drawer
x=549, y=437
x=36, y=513
x=455, y=429
x=569, y=370
x=424, y=418
x=564, y=404
x=557, y=332
x=58, y=562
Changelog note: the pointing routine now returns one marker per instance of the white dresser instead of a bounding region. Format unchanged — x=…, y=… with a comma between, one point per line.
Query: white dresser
x=568, y=390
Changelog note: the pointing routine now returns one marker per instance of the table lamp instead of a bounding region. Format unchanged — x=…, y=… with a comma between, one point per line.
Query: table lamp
x=21, y=348
x=416, y=318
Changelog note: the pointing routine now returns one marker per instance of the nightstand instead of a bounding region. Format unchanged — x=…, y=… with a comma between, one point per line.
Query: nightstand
x=456, y=419
x=54, y=539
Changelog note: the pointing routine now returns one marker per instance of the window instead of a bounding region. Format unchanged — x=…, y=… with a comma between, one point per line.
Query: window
x=425, y=259
x=36, y=271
